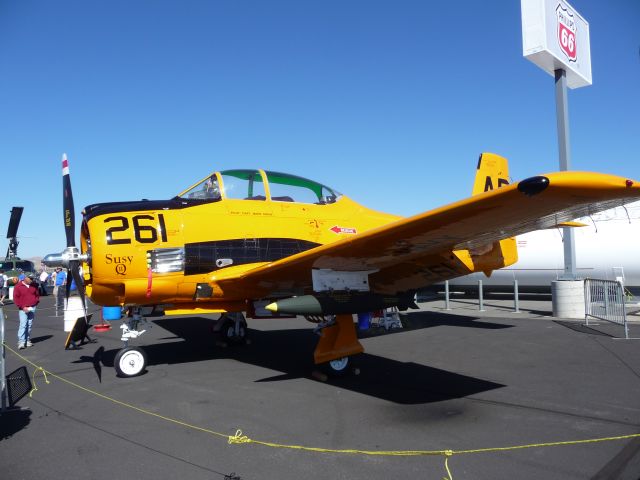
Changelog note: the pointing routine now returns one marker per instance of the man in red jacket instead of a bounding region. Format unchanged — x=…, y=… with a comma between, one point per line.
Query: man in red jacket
x=25, y=297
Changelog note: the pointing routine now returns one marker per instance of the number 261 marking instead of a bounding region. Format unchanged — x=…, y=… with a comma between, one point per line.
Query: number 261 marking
x=142, y=232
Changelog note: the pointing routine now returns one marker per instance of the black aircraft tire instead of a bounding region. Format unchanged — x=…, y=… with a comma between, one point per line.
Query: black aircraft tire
x=228, y=332
x=130, y=362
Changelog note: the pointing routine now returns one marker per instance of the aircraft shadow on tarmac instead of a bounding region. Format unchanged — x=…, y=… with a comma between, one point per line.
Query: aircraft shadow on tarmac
x=421, y=320
x=289, y=352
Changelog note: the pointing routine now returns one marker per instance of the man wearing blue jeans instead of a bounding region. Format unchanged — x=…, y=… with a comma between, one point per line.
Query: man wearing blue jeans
x=25, y=297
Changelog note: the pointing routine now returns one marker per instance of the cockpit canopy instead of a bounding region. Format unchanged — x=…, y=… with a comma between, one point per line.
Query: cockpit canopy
x=260, y=185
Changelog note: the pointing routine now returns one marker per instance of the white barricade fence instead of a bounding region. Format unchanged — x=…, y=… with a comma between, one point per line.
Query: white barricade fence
x=605, y=300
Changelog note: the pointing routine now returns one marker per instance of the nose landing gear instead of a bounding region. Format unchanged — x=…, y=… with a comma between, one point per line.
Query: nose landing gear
x=131, y=361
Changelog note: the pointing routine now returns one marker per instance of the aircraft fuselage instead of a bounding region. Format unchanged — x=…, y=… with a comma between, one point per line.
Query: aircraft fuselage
x=163, y=252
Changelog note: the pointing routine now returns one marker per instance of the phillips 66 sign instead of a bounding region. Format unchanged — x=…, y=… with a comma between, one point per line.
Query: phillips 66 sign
x=555, y=36
x=566, y=33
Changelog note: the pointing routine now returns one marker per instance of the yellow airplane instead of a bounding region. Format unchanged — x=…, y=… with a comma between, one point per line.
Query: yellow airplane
x=240, y=240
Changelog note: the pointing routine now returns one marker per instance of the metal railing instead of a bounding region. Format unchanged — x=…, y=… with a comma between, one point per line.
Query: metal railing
x=516, y=296
x=605, y=300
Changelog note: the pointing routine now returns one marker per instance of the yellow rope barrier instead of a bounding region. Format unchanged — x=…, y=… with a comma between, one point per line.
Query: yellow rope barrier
x=34, y=388
x=240, y=438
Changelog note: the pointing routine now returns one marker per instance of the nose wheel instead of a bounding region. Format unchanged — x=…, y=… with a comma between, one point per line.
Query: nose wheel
x=130, y=361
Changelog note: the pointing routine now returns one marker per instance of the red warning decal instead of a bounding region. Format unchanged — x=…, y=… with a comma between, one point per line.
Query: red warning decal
x=343, y=230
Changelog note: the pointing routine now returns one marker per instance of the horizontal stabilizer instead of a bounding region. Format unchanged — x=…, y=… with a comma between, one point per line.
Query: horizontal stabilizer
x=570, y=224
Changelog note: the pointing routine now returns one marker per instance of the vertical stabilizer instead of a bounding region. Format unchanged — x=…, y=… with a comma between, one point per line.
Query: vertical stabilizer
x=492, y=172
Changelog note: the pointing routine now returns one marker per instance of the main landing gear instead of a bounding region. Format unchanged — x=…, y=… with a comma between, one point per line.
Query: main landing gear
x=337, y=345
x=231, y=328
x=131, y=361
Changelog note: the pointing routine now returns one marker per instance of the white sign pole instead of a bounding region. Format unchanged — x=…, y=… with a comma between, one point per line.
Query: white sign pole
x=562, y=117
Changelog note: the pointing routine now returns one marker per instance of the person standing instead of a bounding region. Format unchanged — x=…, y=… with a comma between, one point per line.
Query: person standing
x=42, y=284
x=26, y=298
x=4, y=287
x=52, y=278
x=58, y=293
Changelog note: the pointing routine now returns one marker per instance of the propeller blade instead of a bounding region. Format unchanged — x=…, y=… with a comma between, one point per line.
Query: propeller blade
x=68, y=284
x=71, y=253
x=67, y=205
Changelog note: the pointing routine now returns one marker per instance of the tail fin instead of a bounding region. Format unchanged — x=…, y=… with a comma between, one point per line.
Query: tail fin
x=492, y=172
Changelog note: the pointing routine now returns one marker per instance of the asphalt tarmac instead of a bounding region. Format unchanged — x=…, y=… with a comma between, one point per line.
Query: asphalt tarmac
x=459, y=380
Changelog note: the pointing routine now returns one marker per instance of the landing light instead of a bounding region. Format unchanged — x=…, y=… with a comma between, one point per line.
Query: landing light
x=533, y=185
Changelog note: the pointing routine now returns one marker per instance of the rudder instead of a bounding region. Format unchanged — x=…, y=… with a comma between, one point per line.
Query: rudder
x=492, y=172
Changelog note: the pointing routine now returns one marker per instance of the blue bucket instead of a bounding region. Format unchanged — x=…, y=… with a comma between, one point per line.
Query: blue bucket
x=364, y=320
x=111, y=313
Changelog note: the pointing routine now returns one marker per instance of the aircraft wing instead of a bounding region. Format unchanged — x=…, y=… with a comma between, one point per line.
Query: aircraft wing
x=409, y=253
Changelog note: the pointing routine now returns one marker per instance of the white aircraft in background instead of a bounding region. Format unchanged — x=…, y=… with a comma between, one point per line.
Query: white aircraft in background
x=607, y=247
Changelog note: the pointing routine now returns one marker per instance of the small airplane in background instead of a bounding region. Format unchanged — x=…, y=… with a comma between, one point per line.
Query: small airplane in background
x=607, y=246
x=258, y=241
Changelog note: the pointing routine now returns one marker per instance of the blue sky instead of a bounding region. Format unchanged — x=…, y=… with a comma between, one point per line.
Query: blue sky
x=389, y=102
